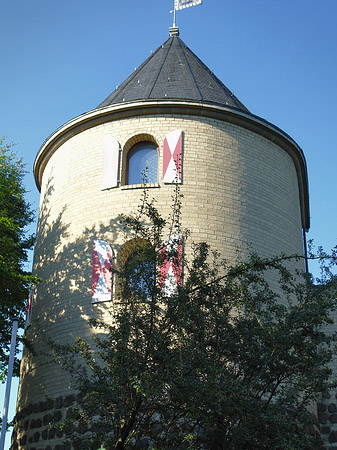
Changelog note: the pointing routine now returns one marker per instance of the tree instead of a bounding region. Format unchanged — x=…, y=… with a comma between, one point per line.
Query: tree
x=15, y=215
x=224, y=361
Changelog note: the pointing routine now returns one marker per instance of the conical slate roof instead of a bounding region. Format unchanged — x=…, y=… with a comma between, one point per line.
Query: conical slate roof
x=174, y=72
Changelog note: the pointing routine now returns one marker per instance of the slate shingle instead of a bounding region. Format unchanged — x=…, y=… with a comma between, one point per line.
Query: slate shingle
x=174, y=72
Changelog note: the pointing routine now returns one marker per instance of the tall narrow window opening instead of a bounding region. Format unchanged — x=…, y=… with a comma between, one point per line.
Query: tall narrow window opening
x=142, y=164
x=138, y=262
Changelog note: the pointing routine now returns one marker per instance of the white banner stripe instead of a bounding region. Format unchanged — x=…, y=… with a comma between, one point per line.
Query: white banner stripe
x=110, y=163
x=181, y=4
x=172, y=139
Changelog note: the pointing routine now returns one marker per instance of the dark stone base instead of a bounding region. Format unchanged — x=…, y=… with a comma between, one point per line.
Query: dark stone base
x=35, y=424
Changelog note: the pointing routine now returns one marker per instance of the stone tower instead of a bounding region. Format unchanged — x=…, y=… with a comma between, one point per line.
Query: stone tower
x=243, y=179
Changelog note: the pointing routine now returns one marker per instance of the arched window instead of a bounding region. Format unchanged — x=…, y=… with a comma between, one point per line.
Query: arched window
x=136, y=258
x=142, y=164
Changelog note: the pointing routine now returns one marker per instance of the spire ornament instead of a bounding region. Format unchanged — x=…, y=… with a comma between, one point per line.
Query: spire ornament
x=182, y=4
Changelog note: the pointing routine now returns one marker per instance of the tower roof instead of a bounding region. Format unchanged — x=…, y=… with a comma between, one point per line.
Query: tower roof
x=174, y=72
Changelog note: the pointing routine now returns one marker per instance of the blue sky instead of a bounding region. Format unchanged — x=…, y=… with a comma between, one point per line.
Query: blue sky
x=60, y=59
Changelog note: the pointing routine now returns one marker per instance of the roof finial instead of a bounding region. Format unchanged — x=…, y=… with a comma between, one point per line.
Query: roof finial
x=175, y=4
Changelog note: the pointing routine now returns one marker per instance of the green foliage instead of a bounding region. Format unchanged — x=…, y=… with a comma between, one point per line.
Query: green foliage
x=228, y=362
x=15, y=215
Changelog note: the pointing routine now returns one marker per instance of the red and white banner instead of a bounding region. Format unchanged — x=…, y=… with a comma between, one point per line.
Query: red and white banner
x=30, y=300
x=171, y=270
x=101, y=272
x=172, y=157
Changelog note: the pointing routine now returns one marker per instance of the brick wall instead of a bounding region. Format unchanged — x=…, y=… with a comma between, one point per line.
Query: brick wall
x=239, y=189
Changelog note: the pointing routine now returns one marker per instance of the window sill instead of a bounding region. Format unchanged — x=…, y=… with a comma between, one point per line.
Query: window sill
x=140, y=186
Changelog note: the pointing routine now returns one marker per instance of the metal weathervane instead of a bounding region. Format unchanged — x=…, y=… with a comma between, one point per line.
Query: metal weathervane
x=182, y=4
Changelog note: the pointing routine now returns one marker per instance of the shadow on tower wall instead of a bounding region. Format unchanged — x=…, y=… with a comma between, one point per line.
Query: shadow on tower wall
x=62, y=307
